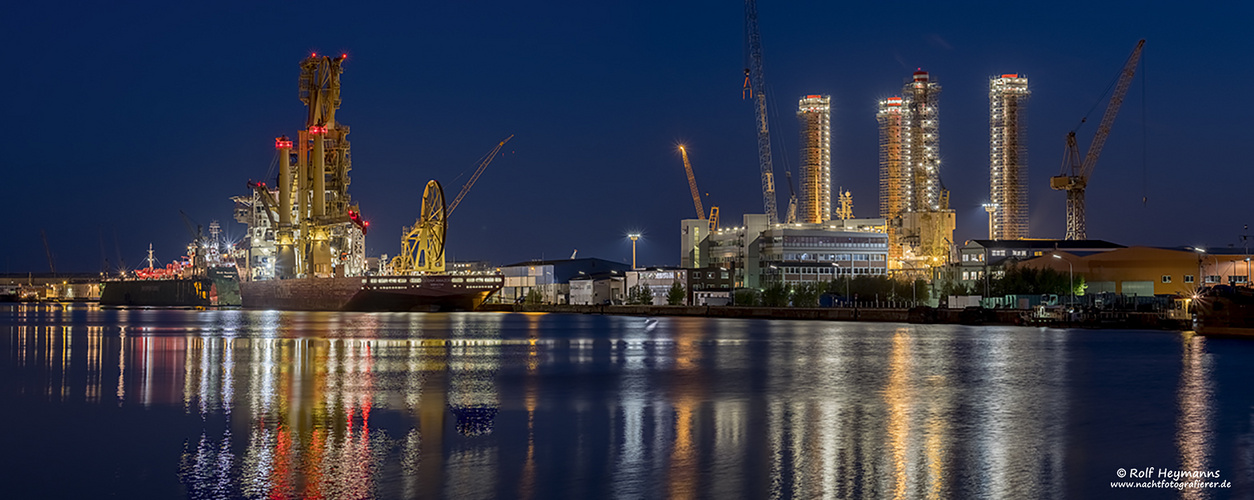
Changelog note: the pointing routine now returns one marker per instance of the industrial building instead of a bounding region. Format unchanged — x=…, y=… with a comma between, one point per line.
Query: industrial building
x=1008, y=157
x=814, y=113
x=1145, y=271
x=551, y=278
x=806, y=255
x=602, y=288
x=798, y=252
x=659, y=282
x=984, y=260
x=912, y=199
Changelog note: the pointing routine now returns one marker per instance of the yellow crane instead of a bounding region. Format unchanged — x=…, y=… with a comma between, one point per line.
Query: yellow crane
x=422, y=245
x=696, y=194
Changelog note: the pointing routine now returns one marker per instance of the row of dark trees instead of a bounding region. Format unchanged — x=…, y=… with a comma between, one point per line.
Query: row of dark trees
x=1021, y=281
x=858, y=288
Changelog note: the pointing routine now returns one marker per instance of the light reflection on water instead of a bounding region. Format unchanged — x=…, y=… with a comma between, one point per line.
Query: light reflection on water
x=325, y=405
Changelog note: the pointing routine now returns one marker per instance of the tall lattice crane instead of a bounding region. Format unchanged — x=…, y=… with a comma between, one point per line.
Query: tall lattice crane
x=1075, y=175
x=696, y=194
x=755, y=81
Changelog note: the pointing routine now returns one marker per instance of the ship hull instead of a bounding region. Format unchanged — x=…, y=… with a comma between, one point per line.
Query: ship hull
x=218, y=289
x=1226, y=311
x=428, y=293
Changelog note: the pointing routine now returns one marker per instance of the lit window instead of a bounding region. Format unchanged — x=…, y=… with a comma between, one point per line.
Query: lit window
x=1166, y=278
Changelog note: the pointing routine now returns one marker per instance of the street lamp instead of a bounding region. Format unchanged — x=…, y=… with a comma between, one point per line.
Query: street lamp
x=634, y=237
x=991, y=208
x=1201, y=253
x=847, y=297
x=1070, y=276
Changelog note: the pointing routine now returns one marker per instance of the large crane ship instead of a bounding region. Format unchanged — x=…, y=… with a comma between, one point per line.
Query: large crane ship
x=305, y=248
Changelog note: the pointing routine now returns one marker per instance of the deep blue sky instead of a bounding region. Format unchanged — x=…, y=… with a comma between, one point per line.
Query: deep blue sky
x=117, y=117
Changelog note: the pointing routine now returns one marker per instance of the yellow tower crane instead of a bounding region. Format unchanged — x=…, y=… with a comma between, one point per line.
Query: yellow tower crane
x=696, y=194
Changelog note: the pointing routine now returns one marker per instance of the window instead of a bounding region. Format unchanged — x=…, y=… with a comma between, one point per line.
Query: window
x=1038, y=253
x=1166, y=278
x=966, y=275
x=1211, y=278
x=999, y=253
x=966, y=257
x=1236, y=279
x=1188, y=278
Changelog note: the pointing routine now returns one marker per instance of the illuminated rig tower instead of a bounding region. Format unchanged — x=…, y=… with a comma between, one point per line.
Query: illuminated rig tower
x=319, y=232
x=814, y=113
x=912, y=199
x=1008, y=156
x=923, y=129
x=896, y=193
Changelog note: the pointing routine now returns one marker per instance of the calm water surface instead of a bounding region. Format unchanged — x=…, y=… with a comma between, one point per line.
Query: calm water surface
x=253, y=404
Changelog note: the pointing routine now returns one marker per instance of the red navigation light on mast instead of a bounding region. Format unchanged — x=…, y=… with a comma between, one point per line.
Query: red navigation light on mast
x=282, y=143
x=356, y=218
x=318, y=129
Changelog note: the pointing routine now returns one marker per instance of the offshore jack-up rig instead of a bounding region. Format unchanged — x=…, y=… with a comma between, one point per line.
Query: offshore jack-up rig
x=319, y=231
x=306, y=238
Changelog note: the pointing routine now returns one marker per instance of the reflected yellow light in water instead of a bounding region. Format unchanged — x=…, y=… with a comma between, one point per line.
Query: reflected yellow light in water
x=1194, y=431
x=934, y=445
x=897, y=396
x=684, y=469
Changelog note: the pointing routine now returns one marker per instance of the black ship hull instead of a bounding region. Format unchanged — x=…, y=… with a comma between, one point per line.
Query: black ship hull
x=429, y=293
x=1225, y=310
x=219, y=289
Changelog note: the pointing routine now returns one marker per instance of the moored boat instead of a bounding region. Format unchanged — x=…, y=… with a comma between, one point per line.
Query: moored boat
x=1224, y=310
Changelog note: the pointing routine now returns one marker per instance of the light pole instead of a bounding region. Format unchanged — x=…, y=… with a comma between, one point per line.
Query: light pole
x=991, y=208
x=634, y=237
x=1201, y=253
x=1070, y=276
x=847, y=297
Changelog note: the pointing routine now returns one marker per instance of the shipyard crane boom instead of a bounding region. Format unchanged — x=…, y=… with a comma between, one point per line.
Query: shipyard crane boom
x=475, y=177
x=692, y=184
x=757, y=90
x=791, y=215
x=267, y=200
x=1075, y=175
x=52, y=263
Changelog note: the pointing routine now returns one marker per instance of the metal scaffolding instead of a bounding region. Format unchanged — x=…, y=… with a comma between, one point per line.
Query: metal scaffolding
x=912, y=200
x=895, y=184
x=815, y=116
x=1008, y=156
x=924, y=122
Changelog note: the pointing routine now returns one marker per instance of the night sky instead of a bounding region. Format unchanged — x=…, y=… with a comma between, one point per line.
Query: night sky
x=118, y=117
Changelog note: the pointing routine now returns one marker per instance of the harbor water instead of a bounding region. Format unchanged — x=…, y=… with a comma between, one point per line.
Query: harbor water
x=152, y=403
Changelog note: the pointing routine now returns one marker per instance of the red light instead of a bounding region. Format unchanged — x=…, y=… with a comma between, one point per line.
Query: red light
x=317, y=129
x=343, y=56
x=313, y=54
x=280, y=144
x=367, y=223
